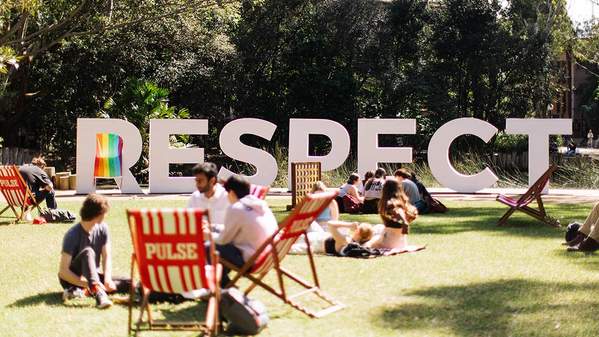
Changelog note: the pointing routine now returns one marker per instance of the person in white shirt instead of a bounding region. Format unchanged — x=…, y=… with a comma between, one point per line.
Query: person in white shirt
x=210, y=194
x=248, y=223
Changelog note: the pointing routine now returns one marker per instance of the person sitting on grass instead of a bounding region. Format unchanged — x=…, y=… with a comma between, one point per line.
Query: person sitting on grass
x=373, y=190
x=333, y=241
x=587, y=238
x=210, y=194
x=351, y=187
x=411, y=190
x=397, y=214
x=248, y=223
x=83, y=247
x=367, y=176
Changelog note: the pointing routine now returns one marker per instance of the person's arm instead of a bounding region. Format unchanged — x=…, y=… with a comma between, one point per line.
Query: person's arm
x=45, y=181
x=353, y=191
x=229, y=229
x=340, y=239
x=65, y=273
x=107, y=266
x=334, y=210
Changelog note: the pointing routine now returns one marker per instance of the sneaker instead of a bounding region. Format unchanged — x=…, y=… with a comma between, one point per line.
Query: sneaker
x=72, y=293
x=102, y=300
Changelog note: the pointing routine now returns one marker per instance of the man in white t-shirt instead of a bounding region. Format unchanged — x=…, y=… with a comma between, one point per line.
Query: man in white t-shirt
x=210, y=194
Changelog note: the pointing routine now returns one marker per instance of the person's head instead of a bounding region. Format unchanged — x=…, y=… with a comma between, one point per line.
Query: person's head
x=318, y=187
x=368, y=175
x=39, y=162
x=393, y=192
x=94, y=208
x=353, y=179
x=402, y=174
x=205, y=176
x=362, y=233
x=380, y=173
x=237, y=187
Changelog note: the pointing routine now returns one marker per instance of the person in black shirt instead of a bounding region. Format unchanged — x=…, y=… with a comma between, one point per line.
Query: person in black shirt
x=38, y=181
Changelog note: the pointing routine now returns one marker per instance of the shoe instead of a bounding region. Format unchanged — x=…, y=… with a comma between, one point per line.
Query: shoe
x=578, y=239
x=588, y=245
x=202, y=294
x=102, y=300
x=72, y=293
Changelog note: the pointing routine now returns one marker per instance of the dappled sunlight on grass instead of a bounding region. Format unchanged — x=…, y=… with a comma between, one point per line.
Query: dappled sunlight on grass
x=474, y=279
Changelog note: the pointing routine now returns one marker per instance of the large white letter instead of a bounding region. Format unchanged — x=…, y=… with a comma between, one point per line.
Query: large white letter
x=299, y=135
x=438, y=155
x=87, y=128
x=538, y=131
x=370, y=154
x=231, y=145
x=161, y=154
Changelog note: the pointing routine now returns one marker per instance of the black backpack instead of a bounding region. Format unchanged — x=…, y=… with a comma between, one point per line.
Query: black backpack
x=354, y=249
x=572, y=231
x=57, y=215
x=244, y=316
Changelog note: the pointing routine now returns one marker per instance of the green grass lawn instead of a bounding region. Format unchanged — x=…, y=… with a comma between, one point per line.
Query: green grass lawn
x=474, y=279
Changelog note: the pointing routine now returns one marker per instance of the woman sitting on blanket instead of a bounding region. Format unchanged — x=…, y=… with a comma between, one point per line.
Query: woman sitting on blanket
x=397, y=213
x=333, y=241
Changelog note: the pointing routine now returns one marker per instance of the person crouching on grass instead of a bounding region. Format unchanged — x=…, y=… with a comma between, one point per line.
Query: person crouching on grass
x=83, y=246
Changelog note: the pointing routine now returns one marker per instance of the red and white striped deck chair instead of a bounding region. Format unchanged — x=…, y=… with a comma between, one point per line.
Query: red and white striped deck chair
x=17, y=194
x=259, y=191
x=270, y=255
x=168, y=249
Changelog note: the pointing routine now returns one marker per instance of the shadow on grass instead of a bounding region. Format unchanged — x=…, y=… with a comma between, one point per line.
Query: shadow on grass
x=511, y=307
x=470, y=218
x=51, y=299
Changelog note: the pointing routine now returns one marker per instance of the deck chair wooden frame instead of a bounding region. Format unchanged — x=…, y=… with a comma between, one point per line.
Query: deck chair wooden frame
x=259, y=191
x=172, y=272
x=16, y=192
x=532, y=194
x=270, y=255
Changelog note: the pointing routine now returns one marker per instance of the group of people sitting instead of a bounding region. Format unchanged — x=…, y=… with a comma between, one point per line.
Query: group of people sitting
x=241, y=223
x=364, y=196
x=329, y=235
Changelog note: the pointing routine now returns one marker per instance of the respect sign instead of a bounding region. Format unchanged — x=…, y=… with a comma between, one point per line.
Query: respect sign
x=370, y=154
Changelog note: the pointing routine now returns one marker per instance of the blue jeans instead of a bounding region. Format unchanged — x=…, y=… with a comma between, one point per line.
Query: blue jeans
x=230, y=253
x=50, y=198
x=421, y=206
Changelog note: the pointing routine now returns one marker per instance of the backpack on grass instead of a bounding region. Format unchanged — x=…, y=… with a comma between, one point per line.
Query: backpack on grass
x=57, y=215
x=244, y=316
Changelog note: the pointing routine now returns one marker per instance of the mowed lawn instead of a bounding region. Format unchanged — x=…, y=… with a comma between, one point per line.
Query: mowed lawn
x=474, y=279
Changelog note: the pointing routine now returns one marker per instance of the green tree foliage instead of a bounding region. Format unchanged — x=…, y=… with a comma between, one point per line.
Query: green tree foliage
x=273, y=59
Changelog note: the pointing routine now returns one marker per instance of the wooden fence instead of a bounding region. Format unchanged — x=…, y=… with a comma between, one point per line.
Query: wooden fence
x=16, y=155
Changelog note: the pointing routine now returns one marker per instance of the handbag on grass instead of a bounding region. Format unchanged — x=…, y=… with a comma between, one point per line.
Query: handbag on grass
x=351, y=204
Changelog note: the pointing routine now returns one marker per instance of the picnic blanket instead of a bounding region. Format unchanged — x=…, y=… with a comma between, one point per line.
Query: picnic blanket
x=406, y=249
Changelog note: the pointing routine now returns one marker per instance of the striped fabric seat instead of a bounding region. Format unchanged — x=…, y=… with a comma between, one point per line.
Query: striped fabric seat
x=259, y=191
x=17, y=194
x=271, y=254
x=168, y=248
x=109, y=156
